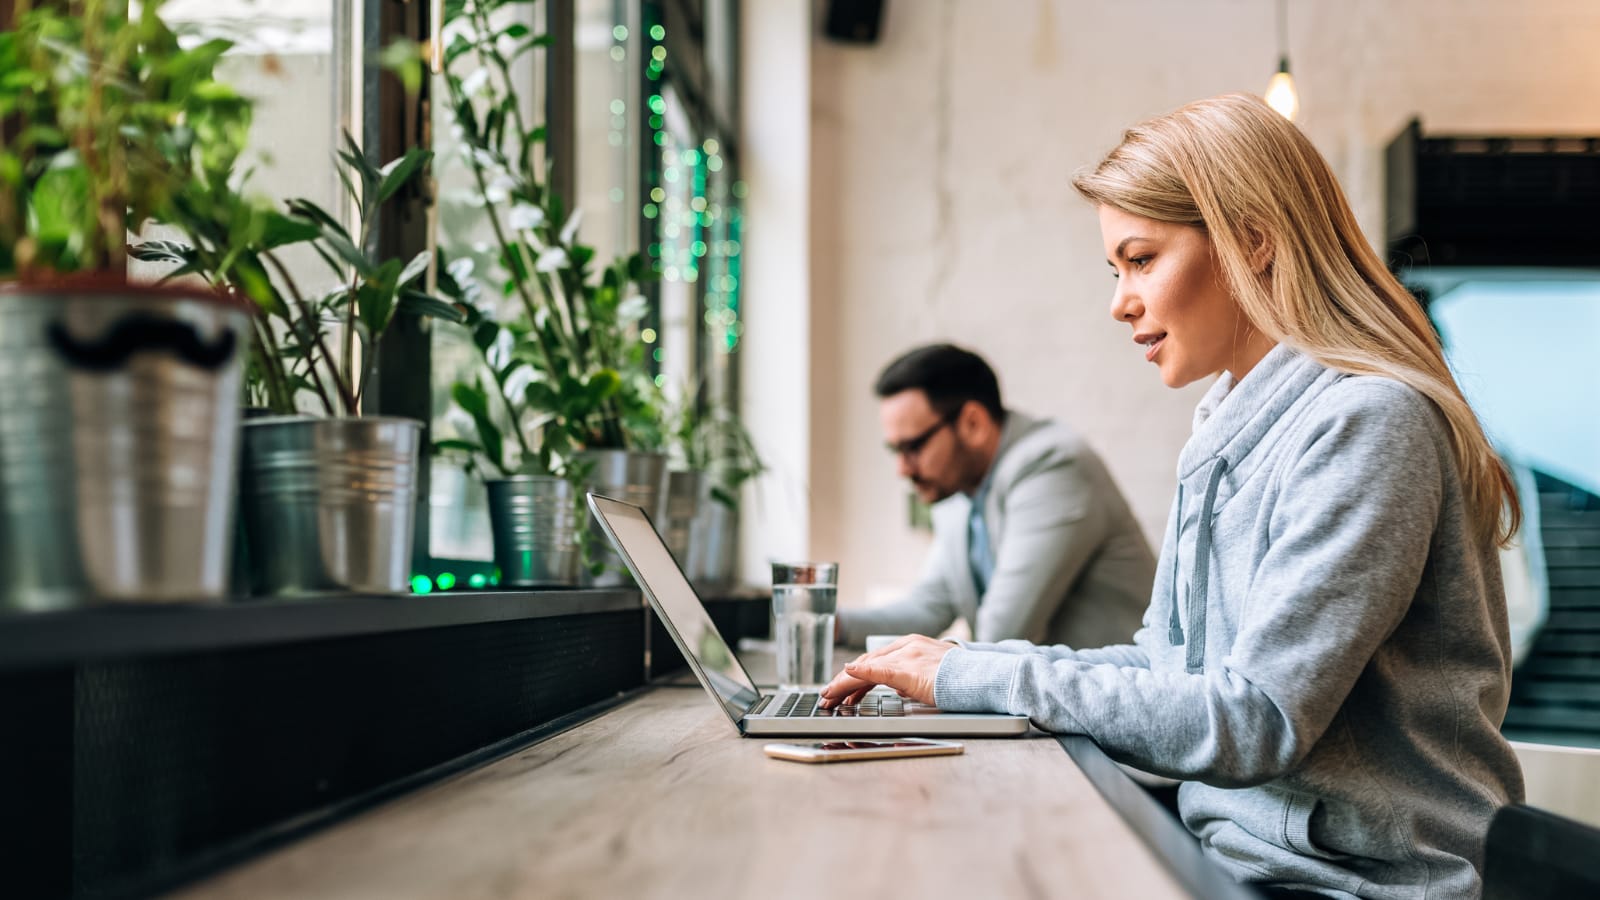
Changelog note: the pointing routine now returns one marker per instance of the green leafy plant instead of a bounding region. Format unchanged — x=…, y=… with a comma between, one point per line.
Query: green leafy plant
x=577, y=329
x=714, y=440
x=119, y=124
x=541, y=415
x=497, y=407
x=236, y=244
x=114, y=121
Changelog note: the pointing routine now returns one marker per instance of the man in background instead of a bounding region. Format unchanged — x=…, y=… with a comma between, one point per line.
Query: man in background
x=1032, y=539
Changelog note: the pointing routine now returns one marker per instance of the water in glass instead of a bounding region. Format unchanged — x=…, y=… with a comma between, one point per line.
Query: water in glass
x=803, y=617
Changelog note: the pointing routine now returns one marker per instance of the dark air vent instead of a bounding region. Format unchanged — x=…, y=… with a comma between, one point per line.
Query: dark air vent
x=1493, y=201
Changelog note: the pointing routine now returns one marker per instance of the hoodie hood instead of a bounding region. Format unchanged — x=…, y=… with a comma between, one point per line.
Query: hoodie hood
x=1236, y=414
x=1233, y=418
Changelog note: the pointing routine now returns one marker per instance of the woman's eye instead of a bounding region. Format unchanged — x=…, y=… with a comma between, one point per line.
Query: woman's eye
x=1139, y=261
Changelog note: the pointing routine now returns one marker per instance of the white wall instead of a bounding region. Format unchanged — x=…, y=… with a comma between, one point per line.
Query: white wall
x=940, y=206
x=1564, y=780
x=775, y=354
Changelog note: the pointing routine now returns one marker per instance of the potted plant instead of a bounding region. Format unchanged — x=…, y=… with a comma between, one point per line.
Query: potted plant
x=118, y=428
x=531, y=436
x=328, y=498
x=590, y=387
x=703, y=498
x=534, y=510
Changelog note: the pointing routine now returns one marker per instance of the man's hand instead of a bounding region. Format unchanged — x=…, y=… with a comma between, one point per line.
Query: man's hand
x=908, y=665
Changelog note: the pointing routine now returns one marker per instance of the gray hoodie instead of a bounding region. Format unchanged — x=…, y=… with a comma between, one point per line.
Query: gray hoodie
x=1325, y=661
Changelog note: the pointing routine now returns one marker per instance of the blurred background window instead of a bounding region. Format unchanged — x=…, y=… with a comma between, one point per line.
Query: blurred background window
x=297, y=60
x=652, y=91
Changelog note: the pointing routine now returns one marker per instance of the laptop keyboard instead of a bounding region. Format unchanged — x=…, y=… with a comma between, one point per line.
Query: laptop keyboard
x=805, y=706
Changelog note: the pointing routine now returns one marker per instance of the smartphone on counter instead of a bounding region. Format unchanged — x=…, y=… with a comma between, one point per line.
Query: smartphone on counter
x=846, y=751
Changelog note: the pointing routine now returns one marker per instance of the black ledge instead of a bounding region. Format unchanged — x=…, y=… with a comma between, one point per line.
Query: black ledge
x=1159, y=829
x=67, y=637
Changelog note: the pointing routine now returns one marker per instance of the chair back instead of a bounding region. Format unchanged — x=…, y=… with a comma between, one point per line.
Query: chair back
x=1532, y=854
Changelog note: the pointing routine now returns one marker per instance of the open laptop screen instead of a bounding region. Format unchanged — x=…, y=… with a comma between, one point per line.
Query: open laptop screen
x=663, y=582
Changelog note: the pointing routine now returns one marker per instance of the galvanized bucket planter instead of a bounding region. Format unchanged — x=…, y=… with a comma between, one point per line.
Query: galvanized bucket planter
x=118, y=433
x=535, y=521
x=678, y=513
x=626, y=475
x=712, y=540
x=329, y=504
x=239, y=581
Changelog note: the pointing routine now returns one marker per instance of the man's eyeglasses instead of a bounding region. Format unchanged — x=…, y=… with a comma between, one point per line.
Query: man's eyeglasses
x=911, y=446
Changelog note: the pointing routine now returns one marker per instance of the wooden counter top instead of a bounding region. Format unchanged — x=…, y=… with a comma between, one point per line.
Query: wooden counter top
x=661, y=798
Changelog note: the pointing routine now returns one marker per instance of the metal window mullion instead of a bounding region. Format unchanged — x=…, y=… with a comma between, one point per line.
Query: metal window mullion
x=393, y=123
x=560, y=101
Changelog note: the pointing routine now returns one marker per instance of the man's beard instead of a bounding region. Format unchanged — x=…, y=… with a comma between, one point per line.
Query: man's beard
x=939, y=493
x=969, y=475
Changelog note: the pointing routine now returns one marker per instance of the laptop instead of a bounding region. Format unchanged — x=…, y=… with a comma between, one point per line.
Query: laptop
x=884, y=714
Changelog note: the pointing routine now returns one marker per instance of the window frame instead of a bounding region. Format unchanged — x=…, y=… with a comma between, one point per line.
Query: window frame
x=404, y=385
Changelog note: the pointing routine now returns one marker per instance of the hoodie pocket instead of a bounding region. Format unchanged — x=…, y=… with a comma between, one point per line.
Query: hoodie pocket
x=1298, y=814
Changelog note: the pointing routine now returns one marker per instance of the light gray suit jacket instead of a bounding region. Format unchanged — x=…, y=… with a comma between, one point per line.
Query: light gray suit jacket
x=1071, y=565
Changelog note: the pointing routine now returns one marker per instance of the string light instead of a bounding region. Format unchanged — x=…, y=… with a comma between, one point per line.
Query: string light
x=696, y=207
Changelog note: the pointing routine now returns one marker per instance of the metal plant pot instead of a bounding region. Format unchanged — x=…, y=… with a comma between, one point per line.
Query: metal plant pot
x=534, y=519
x=329, y=504
x=712, y=541
x=118, y=435
x=678, y=513
x=239, y=581
x=626, y=475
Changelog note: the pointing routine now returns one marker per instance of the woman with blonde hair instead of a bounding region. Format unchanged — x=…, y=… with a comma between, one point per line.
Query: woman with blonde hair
x=1325, y=661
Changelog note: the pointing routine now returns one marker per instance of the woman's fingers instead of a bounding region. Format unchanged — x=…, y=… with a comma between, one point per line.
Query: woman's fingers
x=908, y=665
x=888, y=672
x=845, y=689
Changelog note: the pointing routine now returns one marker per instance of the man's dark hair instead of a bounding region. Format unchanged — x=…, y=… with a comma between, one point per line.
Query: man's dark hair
x=949, y=375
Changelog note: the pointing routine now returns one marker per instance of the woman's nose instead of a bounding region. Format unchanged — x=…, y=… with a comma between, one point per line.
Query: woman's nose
x=1124, y=306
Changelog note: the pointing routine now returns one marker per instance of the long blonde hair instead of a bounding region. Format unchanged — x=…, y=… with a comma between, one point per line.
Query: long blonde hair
x=1235, y=168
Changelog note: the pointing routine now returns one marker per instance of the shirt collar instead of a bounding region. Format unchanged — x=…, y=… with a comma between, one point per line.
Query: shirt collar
x=1009, y=433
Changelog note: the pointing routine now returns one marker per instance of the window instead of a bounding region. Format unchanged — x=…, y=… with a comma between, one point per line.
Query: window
x=287, y=58
x=691, y=210
x=293, y=61
x=606, y=113
x=653, y=171
x=1538, y=408
x=458, y=512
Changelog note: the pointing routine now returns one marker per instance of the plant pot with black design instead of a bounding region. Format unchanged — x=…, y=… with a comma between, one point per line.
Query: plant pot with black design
x=119, y=424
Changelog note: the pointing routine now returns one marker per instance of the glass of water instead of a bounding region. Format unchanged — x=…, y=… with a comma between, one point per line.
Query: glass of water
x=805, y=596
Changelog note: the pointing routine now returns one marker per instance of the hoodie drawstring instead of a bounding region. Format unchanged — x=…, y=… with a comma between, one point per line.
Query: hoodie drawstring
x=1195, y=657
x=1175, y=623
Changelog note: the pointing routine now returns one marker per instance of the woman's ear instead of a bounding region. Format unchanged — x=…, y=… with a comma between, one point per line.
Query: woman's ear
x=1260, y=251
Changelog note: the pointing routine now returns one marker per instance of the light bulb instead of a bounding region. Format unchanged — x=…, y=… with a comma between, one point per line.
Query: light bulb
x=1281, y=94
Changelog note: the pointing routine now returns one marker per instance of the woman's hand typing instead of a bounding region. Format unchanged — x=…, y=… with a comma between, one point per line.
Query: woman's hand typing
x=908, y=665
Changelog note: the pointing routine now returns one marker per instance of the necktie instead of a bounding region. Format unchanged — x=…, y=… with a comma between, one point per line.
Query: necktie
x=979, y=558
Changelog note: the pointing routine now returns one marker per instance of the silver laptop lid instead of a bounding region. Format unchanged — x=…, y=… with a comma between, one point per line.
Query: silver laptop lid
x=668, y=590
